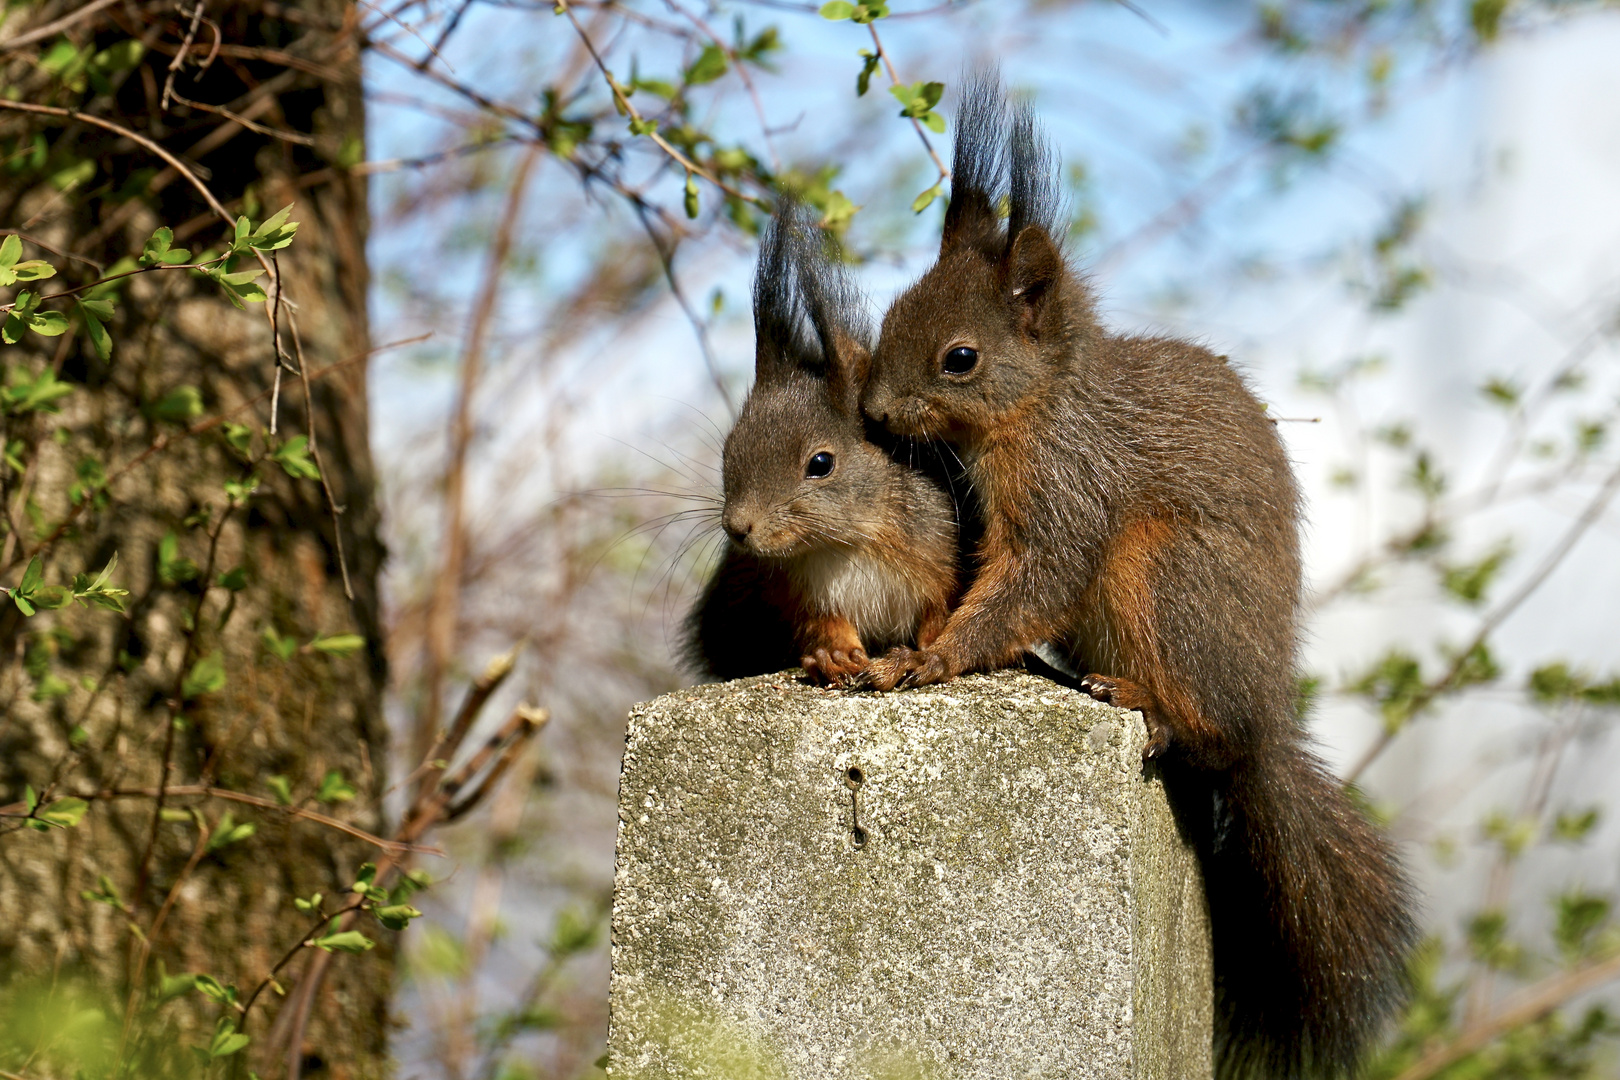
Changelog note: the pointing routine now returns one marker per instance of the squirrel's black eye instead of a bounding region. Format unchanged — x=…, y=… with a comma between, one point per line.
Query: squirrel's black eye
x=961, y=360
x=819, y=465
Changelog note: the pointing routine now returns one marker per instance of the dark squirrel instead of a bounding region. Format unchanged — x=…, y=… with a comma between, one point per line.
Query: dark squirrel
x=1140, y=515
x=837, y=549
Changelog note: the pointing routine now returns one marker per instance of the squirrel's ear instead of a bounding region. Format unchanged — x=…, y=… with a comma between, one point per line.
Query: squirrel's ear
x=849, y=364
x=1034, y=269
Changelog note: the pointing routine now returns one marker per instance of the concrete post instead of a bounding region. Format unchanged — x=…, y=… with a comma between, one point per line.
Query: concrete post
x=969, y=880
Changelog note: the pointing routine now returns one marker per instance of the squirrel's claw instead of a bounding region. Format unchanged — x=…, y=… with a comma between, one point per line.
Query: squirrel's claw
x=1127, y=695
x=901, y=667
x=835, y=667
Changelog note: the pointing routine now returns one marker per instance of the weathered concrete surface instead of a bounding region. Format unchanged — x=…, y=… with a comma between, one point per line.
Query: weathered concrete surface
x=1021, y=905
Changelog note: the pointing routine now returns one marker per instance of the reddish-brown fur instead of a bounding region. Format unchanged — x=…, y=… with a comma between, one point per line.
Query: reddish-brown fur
x=822, y=566
x=1141, y=516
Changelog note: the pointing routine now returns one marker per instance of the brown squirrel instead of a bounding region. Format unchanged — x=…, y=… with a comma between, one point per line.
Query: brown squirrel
x=838, y=549
x=1140, y=514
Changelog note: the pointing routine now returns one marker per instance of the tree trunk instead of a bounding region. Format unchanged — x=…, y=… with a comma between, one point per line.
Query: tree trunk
x=136, y=464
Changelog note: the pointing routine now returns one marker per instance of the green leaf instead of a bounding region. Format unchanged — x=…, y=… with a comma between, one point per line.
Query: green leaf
x=1396, y=683
x=181, y=405
x=234, y=580
x=643, y=127
x=207, y=676
x=32, y=576
x=335, y=789
x=1500, y=391
x=838, y=211
x=293, y=457
x=709, y=66
x=214, y=990
x=238, y=436
x=230, y=831
x=281, y=787
x=10, y=251
x=869, y=66
x=1468, y=582
x=172, y=986
x=156, y=246
x=239, y=491
x=691, y=196
x=51, y=597
x=172, y=568
x=120, y=56
x=1488, y=941
x=1571, y=827
x=1579, y=916
x=100, y=340
x=396, y=916
x=837, y=10
x=48, y=323
x=283, y=647
x=339, y=644
x=925, y=200
x=349, y=941
x=933, y=122
x=272, y=224
x=30, y=797
x=64, y=813
x=33, y=270
x=227, y=1042
x=572, y=933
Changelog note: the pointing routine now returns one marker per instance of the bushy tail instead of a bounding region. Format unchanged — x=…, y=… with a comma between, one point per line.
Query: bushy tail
x=1311, y=916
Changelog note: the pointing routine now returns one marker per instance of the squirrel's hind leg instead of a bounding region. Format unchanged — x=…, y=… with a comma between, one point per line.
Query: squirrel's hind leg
x=1124, y=694
x=1172, y=720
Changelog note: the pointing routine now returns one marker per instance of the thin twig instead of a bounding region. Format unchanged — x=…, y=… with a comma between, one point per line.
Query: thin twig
x=427, y=810
x=1523, y=1008
x=625, y=105
x=916, y=125
x=180, y=56
x=1498, y=615
x=187, y=791
x=140, y=140
x=164, y=441
x=332, y=506
x=444, y=605
x=52, y=28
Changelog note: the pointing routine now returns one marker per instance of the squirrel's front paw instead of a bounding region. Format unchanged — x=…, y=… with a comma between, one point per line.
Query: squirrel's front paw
x=835, y=667
x=904, y=667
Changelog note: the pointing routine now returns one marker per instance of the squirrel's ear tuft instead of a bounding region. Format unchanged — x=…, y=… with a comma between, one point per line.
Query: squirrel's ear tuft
x=808, y=314
x=978, y=165
x=780, y=341
x=839, y=317
x=1034, y=270
x=1032, y=196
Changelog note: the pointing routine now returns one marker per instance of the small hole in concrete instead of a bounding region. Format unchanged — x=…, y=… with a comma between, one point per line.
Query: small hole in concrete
x=858, y=837
x=855, y=777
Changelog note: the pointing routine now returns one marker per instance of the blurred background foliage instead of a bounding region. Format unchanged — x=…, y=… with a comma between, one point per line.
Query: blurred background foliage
x=1396, y=215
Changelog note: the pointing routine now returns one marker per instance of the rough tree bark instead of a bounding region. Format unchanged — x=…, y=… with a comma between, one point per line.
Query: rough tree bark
x=90, y=700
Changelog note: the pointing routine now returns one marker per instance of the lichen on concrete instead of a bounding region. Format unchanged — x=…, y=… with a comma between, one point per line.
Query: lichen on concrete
x=998, y=890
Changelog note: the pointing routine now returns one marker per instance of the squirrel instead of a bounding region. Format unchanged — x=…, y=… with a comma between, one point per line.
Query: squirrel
x=1140, y=515
x=838, y=549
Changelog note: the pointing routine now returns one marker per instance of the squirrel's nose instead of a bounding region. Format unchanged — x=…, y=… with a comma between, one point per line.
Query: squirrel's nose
x=736, y=528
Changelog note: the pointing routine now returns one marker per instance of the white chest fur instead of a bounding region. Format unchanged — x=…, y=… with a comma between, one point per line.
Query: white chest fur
x=882, y=604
